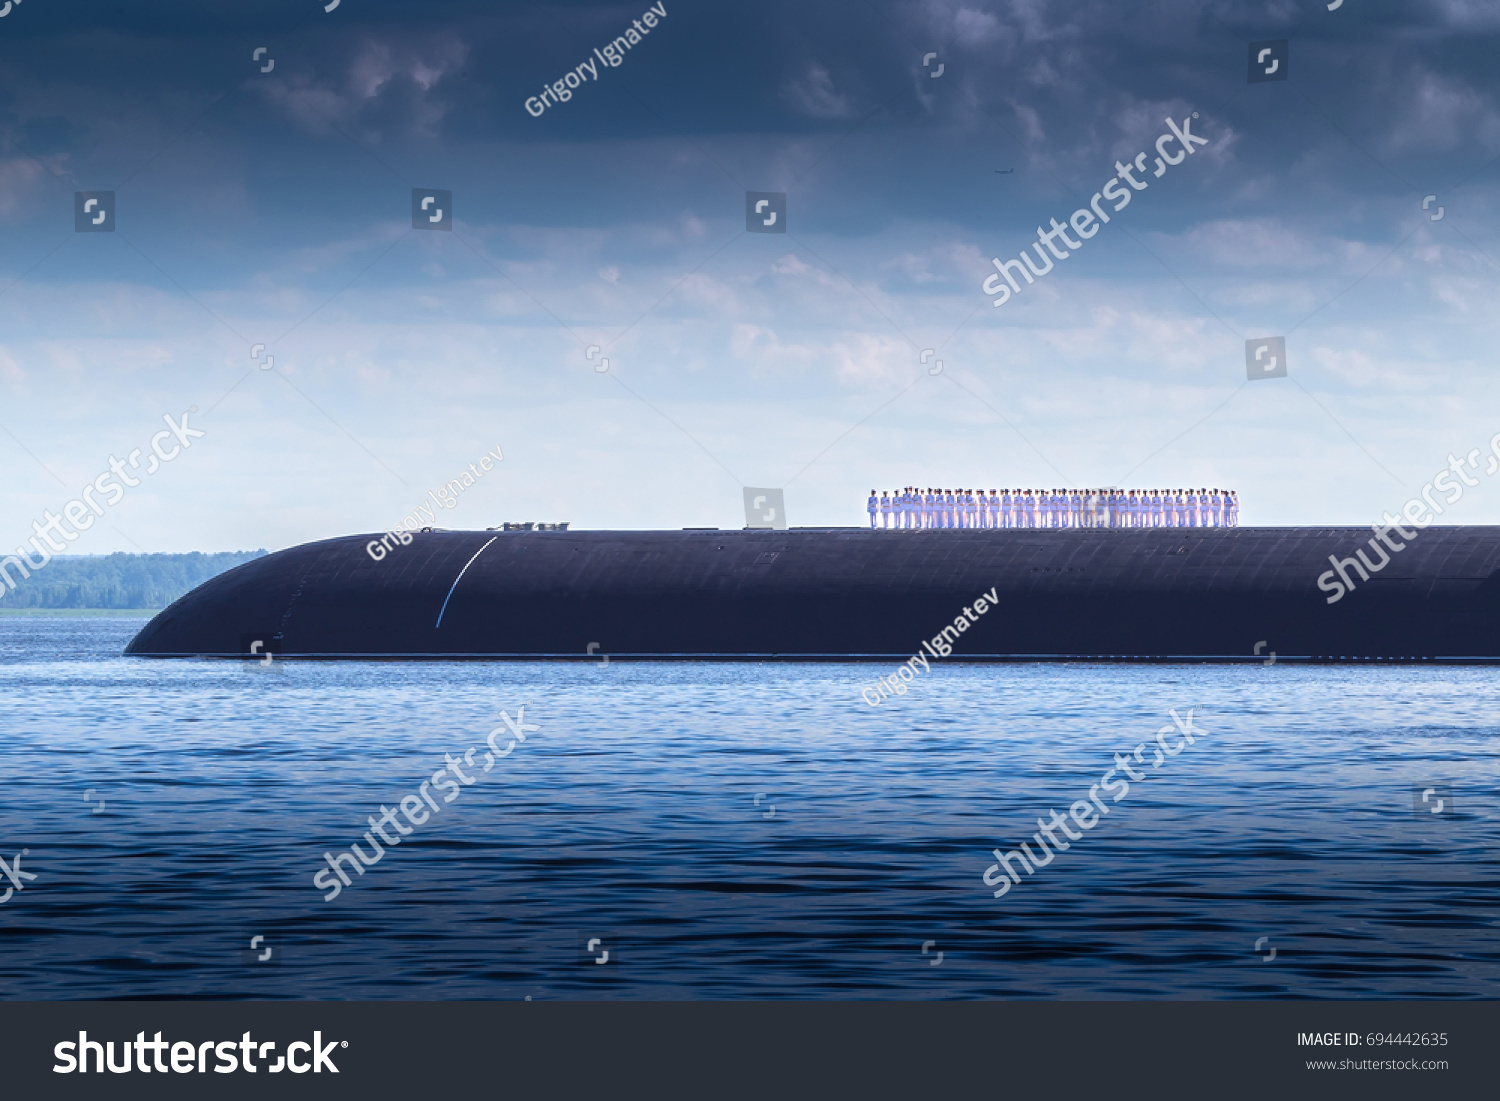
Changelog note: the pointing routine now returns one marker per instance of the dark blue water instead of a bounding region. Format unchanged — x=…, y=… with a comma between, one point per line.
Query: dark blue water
x=631, y=816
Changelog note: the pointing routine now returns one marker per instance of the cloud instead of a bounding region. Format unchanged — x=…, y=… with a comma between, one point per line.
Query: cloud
x=384, y=88
x=813, y=95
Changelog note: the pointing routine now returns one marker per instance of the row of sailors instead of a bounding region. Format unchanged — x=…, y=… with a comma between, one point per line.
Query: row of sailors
x=1054, y=508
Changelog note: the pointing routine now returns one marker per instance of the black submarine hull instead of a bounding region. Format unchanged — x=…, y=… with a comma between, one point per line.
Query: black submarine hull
x=1194, y=594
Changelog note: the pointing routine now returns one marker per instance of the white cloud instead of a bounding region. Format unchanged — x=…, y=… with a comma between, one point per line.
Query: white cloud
x=813, y=94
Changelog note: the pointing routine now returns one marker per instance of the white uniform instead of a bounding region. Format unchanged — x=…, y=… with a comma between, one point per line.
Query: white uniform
x=871, y=506
x=885, y=510
x=1234, y=509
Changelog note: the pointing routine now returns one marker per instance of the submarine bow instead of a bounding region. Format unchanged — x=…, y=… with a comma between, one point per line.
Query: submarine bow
x=804, y=594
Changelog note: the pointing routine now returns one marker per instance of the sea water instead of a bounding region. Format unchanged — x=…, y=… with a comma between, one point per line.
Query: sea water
x=739, y=830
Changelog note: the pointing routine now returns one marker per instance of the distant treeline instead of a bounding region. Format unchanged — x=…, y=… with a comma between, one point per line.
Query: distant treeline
x=118, y=580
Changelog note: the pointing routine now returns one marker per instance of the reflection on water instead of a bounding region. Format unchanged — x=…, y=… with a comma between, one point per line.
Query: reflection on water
x=638, y=820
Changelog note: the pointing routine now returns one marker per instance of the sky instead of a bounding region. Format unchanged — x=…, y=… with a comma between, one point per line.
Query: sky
x=263, y=160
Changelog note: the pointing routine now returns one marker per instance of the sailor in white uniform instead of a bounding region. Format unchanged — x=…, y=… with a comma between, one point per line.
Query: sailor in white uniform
x=872, y=504
x=885, y=509
x=994, y=508
x=1234, y=509
x=1216, y=507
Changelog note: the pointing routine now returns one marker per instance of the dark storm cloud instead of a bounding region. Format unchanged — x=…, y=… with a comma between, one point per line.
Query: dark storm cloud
x=377, y=96
x=1059, y=72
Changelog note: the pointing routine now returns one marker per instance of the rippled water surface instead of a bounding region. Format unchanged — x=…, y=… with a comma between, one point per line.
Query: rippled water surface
x=739, y=831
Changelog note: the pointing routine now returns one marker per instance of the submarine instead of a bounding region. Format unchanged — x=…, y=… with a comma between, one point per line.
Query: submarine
x=854, y=594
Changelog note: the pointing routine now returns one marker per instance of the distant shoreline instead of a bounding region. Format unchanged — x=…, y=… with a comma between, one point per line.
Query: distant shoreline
x=49, y=613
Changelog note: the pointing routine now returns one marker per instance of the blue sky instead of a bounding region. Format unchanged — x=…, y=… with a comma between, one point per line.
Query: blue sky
x=275, y=208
